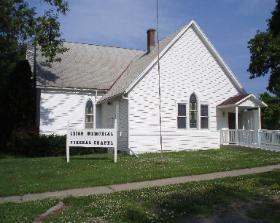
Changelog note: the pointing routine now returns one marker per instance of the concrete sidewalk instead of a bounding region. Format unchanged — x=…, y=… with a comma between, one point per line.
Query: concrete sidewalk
x=136, y=185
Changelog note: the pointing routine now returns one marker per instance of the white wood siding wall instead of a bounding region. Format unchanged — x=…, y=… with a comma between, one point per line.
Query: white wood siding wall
x=249, y=120
x=123, y=125
x=117, y=109
x=108, y=114
x=186, y=68
x=58, y=108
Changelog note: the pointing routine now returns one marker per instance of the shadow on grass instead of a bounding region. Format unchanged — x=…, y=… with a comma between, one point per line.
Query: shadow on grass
x=239, y=199
x=208, y=200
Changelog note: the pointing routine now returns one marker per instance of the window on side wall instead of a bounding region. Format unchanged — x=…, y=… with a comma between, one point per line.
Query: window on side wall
x=204, y=116
x=181, y=116
x=193, y=111
x=89, y=115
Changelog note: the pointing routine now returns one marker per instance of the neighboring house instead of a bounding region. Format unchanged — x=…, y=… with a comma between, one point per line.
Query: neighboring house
x=93, y=85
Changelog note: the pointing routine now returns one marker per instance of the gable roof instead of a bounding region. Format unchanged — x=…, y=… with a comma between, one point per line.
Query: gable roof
x=233, y=100
x=85, y=66
x=142, y=64
x=238, y=99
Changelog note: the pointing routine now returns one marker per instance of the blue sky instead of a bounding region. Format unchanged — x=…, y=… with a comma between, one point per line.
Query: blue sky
x=229, y=24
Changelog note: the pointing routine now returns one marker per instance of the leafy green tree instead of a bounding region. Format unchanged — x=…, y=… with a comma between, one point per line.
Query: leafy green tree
x=20, y=26
x=271, y=114
x=19, y=101
x=265, y=52
x=265, y=60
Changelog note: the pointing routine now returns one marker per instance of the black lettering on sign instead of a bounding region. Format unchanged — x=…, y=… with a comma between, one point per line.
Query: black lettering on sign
x=90, y=133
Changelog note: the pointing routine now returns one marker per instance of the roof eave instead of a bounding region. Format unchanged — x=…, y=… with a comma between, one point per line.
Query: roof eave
x=100, y=101
x=226, y=106
x=258, y=101
x=68, y=88
x=217, y=56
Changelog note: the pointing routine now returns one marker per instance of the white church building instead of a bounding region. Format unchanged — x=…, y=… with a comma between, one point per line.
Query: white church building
x=92, y=85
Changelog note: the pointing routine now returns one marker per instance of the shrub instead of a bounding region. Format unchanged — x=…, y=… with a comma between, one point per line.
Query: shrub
x=22, y=143
x=28, y=143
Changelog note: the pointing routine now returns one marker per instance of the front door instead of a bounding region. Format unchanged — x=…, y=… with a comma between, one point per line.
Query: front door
x=231, y=120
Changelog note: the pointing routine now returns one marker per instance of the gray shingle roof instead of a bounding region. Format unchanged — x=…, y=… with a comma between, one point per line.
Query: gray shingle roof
x=136, y=67
x=85, y=66
x=233, y=100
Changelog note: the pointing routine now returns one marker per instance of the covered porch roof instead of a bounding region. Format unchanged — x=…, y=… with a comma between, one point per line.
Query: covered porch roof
x=242, y=100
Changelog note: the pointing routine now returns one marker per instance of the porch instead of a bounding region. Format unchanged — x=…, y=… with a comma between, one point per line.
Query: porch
x=263, y=139
x=242, y=124
x=241, y=112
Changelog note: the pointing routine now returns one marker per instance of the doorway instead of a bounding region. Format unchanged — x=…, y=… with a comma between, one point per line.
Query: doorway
x=231, y=120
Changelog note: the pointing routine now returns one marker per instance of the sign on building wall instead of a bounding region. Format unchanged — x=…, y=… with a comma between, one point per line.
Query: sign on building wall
x=101, y=138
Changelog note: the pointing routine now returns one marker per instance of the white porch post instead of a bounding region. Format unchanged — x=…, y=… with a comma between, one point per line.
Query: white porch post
x=67, y=152
x=259, y=118
x=67, y=144
x=236, y=125
x=116, y=141
x=259, y=127
x=236, y=117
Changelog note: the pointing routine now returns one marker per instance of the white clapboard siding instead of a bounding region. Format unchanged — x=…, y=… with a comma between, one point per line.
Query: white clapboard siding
x=58, y=109
x=123, y=124
x=118, y=108
x=187, y=67
x=248, y=120
x=108, y=114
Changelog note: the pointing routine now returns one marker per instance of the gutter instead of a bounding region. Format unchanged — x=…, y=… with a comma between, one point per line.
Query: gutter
x=70, y=88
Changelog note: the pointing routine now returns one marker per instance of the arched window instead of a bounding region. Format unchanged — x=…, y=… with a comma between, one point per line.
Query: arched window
x=193, y=111
x=89, y=115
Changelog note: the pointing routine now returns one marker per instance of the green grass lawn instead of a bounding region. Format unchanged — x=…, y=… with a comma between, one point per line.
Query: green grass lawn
x=255, y=197
x=30, y=175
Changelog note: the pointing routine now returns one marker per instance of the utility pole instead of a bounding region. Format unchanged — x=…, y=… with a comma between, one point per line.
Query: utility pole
x=159, y=84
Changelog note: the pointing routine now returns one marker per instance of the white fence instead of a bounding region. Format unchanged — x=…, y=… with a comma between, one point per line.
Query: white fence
x=264, y=139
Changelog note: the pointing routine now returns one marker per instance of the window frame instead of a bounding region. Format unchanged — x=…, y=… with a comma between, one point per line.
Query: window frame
x=202, y=116
x=197, y=112
x=180, y=116
x=89, y=114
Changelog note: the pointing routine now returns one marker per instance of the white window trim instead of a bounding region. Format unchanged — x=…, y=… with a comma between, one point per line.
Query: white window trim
x=93, y=114
x=200, y=116
x=197, y=112
x=177, y=115
x=199, y=103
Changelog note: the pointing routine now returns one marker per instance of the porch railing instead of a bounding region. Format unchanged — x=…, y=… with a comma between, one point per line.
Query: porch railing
x=264, y=139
